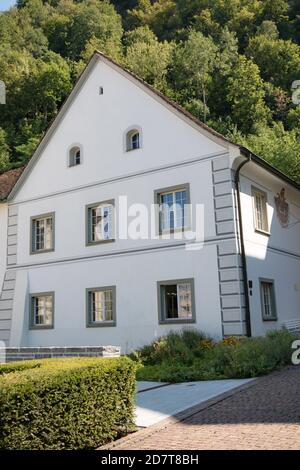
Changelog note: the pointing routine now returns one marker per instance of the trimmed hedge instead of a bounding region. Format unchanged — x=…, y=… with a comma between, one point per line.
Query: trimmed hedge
x=70, y=403
x=18, y=366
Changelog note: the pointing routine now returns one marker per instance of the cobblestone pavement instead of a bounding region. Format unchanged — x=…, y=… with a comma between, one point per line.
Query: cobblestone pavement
x=263, y=415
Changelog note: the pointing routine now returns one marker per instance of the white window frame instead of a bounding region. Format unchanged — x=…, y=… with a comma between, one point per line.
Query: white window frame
x=162, y=314
x=34, y=235
x=33, y=298
x=91, y=322
x=102, y=206
x=173, y=190
x=261, y=223
x=268, y=299
x=72, y=152
x=128, y=136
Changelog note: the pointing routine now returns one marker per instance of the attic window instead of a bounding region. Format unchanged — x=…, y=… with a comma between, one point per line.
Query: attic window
x=74, y=156
x=133, y=140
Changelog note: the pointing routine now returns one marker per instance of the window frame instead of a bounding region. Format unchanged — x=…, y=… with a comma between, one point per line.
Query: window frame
x=171, y=189
x=255, y=191
x=162, y=320
x=128, y=134
x=89, y=322
x=88, y=226
x=274, y=317
x=33, y=219
x=32, y=296
x=72, y=148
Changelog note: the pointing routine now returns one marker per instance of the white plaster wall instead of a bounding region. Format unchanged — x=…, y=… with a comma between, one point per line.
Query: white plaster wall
x=69, y=211
x=273, y=257
x=135, y=278
x=98, y=122
x=3, y=240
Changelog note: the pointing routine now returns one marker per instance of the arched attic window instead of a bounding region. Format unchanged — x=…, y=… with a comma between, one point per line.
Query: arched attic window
x=75, y=156
x=133, y=139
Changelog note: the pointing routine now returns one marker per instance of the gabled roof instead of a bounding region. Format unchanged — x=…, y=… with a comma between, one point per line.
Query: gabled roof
x=12, y=180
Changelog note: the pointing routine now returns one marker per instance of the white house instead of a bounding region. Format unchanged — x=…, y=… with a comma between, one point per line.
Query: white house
x=70, y=278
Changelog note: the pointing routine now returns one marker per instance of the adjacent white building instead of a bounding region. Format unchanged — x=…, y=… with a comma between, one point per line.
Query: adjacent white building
x=70, y=278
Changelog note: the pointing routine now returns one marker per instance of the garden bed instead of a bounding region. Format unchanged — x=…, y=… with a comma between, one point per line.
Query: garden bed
x=190, y=355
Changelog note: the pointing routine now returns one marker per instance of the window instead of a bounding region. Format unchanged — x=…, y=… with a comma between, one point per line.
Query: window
x=133, y=140
x=100, y=222
x=268, y=303
x=42, y=310
x=42, y=233
x=260, y=210
x=176, y=301
x=173, y=213
x=74, y=156
x=101, y=306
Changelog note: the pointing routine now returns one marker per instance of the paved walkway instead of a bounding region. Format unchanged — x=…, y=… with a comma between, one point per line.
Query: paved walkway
x=264, y=414
x=156, y=401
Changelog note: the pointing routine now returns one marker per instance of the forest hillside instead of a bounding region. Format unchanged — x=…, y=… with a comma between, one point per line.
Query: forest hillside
x=231, y=63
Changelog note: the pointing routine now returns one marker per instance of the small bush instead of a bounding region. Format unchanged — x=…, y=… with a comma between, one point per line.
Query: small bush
x=76, y=403
x=231, y=358
x=177, y=347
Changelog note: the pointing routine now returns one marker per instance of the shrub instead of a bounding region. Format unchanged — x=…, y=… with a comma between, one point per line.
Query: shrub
x=177, y=347
x=73, y=403
x=230, y=358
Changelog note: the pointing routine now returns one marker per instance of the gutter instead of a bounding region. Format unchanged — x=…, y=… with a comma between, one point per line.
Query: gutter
x=243, y=253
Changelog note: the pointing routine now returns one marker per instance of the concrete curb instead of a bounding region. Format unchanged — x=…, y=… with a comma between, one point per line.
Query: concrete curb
x=136, y=437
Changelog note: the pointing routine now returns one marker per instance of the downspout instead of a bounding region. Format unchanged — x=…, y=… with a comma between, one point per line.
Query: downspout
x=243, y=253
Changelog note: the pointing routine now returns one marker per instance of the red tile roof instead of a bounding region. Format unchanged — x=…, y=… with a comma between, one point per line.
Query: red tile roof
x=8, y=180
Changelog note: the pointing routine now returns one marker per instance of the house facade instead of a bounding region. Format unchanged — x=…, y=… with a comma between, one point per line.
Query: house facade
x=93, y=232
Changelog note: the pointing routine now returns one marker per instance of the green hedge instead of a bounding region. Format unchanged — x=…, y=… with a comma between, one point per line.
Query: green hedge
x=18, y=366
x=73, y=403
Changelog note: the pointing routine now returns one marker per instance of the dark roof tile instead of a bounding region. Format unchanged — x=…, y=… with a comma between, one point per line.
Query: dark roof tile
x=8, y=180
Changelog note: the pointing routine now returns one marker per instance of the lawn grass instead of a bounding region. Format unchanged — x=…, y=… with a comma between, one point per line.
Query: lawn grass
x=190, y=355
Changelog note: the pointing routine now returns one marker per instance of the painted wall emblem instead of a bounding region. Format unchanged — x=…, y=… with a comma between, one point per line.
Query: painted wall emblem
x=282, y=208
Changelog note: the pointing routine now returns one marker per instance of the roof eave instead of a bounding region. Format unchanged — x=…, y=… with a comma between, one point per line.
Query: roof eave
x=267, y=166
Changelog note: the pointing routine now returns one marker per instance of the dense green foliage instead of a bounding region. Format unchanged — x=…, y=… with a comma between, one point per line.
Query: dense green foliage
x=65, y=403
x=230, y=63
x=190, y=355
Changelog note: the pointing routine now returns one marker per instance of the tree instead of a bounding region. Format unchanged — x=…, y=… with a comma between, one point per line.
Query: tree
x=161, y=16
x=147, y=57
x=4, y=152
x=278, y=60
x=193, y=64
x=279, y=147
x=246, y=94
x=72, y=26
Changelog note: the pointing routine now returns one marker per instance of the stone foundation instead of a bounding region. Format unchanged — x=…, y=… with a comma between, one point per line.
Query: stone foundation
x=24, y=353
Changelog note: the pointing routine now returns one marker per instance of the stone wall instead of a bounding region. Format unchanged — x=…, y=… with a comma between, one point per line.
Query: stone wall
x=24, y=353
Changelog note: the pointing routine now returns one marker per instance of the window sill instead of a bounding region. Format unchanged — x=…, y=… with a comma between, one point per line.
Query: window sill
x=132, y=150
x=173, y=231
x=176, y=321
x=100, y=242
x=38, y=252
x=101, y=325
x=270, y=319
x=262, y=232
x=41, y=327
